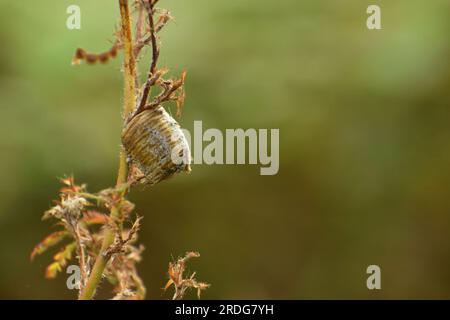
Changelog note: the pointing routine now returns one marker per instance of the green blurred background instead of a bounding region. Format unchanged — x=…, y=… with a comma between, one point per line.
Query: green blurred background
x=364, y=119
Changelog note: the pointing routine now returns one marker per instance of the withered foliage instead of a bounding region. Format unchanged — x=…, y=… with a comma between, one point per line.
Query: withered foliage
x=82, y=219
x=86, y=221
x=182, y=282
x=147, y=34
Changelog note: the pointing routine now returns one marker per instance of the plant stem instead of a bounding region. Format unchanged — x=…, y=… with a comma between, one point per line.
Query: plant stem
x=129, y=70
x=129, y=64
x=100, y=264
x=81, y=254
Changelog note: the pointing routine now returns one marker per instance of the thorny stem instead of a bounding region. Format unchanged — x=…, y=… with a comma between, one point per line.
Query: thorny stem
x=129, y=67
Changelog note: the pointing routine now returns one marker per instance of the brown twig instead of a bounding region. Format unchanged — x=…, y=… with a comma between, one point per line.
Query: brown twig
x=149, y=6
x=141, y=41
x=169, y=88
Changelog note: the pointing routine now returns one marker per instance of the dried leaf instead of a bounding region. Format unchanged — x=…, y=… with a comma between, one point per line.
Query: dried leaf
x=70, y=186
x=180, y=283
x=134, y=229
x=48, y=242
x=52, y=270
x=92, y=217
x=61, y=259
x=65, y=254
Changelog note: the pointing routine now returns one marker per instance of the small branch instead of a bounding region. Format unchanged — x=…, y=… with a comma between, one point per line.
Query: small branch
x=166, y=95
x=149, y=6
x=169, y=88
x=141, y=42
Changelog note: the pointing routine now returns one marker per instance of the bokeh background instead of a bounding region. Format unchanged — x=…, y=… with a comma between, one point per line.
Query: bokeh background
x=364, y=119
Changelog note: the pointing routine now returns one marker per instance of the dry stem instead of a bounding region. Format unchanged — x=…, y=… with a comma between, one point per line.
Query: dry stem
x=149, y=6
